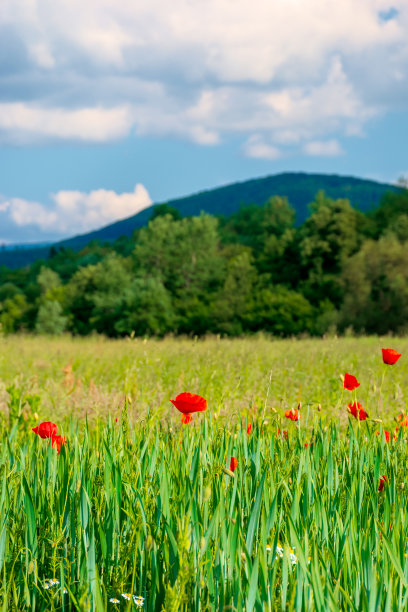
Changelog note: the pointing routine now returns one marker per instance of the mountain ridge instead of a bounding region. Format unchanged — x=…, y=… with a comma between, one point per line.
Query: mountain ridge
x=299, y=187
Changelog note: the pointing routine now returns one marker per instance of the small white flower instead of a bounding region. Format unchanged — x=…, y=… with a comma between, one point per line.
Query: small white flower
x=126, y=596
x=47, y=586
x=138, y=600
x=65, y=591
x=114, y=600
x=293, y=559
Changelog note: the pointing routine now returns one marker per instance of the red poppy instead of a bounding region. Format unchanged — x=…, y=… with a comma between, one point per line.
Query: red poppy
x=386, y=434
x=57, y=441
x=46, y=430
x=402, y=420
x=357, y=411
x=293, y=414
x=249, y=428
x=350, y=382
x=186, y=418
x=188, y=403
x=383, y=480
x=390, y=356
x=307, y=444
x=233, y=464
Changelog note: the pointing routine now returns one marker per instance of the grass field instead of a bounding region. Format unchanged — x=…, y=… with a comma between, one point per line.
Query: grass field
x=137, y=503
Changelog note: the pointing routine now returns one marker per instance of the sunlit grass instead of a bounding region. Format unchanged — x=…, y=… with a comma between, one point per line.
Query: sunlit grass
x=144, y=506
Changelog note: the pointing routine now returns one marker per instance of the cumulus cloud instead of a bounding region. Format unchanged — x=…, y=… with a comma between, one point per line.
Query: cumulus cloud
x=289, y=72
x=75, y=212
x=27, y=123
x=322, y=148
x=256, y=147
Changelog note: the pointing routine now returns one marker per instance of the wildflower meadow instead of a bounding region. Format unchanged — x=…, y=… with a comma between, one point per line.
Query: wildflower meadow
x=203, y=475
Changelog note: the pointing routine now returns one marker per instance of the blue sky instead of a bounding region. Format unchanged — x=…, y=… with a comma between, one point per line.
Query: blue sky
x=106, y=106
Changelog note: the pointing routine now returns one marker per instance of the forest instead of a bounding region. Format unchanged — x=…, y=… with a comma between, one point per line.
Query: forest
x=340, y=271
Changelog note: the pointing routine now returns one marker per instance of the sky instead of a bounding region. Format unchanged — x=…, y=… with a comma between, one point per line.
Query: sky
x=107, y=107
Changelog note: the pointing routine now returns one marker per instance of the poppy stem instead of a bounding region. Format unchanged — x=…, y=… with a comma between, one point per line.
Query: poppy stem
x=267, y=394
x=381, y=386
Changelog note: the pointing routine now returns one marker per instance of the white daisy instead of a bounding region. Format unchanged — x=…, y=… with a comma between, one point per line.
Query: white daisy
x=126, y=596
x=138, y=600
x=114, y=600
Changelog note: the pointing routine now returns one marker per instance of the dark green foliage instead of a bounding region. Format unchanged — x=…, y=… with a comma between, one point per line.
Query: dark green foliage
x=299, y=187
x=253, y=271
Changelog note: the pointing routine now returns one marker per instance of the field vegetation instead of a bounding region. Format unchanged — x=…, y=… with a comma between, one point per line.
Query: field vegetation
x=243, y=508
x=253, y=271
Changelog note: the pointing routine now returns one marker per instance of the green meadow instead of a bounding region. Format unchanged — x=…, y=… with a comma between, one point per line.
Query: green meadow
x=138, y=511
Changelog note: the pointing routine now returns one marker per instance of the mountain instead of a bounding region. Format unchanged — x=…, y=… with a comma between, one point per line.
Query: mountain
x=300, y=188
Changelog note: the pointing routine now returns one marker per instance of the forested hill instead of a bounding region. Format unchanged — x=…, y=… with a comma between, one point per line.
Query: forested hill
x=300, y=189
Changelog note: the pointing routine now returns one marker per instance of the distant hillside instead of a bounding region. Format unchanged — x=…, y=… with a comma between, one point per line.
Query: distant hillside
x=300, y=189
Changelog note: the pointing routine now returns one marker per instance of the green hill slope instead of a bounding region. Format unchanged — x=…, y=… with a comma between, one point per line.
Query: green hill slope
x=300, y=189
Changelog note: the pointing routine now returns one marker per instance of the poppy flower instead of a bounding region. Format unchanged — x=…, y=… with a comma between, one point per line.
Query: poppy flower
x=357, y=411
x=57, y=441
x=390, y=356
x=383, y=480
x=45, y=430
x=249, y=428
x=186, y=418
x=293, y=414
x=386, y=434
x=350, y=382
x=402, y=419
x=307, y=444
x=188, y=403
x=233, y=464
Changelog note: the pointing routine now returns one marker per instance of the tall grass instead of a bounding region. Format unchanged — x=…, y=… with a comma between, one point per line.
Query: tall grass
x=153, y=513
x=146, y=506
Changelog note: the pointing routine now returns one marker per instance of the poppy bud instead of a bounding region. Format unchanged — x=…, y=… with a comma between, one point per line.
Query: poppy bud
x=319, y=407
x=149, y=542
x=206, y=494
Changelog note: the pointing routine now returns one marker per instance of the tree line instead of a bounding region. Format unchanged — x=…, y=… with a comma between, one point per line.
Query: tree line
x=255, y=270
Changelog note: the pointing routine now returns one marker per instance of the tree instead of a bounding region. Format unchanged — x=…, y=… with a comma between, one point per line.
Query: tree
x=376, y=287
x=328, y=237
x=231, y=309
x=147, y=309
x=281, y=311
x=392, y=206
x=50, y=319
x=96, y=295
x=253, y=225
x=185, y=256
x=12, y=313
x=160, y=210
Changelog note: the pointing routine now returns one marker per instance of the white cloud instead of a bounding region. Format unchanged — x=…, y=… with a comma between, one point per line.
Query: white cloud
x=28, y=122
x=256, y=147
x=323, y=148
x=74, y=212
x=292, y=71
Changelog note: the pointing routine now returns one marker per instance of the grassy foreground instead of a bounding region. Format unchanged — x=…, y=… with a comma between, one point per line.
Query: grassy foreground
x=144, y=506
